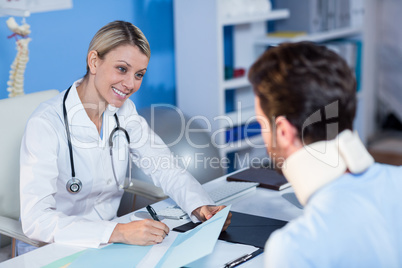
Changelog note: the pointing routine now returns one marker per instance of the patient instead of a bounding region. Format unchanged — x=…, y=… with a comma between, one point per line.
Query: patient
x=306, y=103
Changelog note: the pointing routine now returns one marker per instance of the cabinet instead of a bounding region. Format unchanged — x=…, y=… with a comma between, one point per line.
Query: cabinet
x=202, y=90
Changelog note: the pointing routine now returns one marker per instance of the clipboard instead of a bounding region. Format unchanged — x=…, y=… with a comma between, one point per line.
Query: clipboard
x=244, y=229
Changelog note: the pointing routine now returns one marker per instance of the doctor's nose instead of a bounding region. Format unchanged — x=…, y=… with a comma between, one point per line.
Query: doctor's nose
x=129, y=82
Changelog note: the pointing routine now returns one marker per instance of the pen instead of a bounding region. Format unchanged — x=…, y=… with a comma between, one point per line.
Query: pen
x=152, y=212
x=243, y=258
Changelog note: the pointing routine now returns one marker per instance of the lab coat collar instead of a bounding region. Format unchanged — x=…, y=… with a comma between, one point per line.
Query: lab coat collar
x=318, y=164
x=77, y=116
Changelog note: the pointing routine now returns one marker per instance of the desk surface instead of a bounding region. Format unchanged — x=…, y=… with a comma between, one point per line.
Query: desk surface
x=262, y=202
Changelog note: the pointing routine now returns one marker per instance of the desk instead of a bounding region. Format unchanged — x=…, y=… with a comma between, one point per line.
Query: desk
x=262, y=202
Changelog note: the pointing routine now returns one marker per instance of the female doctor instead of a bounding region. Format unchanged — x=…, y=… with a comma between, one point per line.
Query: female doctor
x=76, y=148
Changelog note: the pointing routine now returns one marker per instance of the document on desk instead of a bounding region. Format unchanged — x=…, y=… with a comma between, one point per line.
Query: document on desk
x=227, y=252
x=177, y=249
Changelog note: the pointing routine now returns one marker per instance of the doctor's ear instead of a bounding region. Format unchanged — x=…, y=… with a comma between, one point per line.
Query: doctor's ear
x=92, y=60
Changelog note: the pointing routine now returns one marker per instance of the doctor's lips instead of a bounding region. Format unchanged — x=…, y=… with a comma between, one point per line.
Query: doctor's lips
x=118, y=92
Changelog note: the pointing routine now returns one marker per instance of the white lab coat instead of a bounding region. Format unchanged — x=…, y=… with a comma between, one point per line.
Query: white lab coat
x=49, y=212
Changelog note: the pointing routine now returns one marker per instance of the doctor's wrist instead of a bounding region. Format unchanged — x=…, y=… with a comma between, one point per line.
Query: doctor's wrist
x=117, y=234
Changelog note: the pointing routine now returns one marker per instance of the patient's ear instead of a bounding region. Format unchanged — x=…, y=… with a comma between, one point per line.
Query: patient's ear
x=92, y=60
x=286, y=136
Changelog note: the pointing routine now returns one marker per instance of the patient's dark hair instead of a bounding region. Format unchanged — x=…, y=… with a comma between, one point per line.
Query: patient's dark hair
x=310, y=85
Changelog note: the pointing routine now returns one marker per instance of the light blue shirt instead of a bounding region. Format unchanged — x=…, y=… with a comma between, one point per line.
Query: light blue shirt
x=354, y=221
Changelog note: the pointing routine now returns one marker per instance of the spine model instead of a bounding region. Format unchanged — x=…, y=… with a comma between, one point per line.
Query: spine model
x=16, y=82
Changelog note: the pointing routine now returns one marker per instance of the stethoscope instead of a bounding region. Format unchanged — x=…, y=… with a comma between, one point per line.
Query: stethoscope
x=74, y=185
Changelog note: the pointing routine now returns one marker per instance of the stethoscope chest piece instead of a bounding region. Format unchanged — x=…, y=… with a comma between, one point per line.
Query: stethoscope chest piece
x=74, y=185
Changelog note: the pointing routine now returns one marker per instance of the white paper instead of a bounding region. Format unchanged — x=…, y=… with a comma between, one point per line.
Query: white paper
x=157, y=251
x=227, y=252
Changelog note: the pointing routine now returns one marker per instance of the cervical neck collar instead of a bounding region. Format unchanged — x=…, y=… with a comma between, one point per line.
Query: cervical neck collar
x=317, y=164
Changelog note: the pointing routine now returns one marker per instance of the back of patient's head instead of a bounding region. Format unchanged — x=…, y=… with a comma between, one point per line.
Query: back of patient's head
x=310, y=85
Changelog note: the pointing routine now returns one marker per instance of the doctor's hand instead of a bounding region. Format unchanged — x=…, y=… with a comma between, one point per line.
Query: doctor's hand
x=145, y=232
x=206, y=212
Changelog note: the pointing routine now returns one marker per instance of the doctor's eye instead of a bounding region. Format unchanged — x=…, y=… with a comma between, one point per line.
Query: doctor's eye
x=139, y=75
x=122, y=69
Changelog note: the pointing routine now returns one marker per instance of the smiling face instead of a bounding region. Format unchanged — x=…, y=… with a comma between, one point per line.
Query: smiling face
x=118, y=75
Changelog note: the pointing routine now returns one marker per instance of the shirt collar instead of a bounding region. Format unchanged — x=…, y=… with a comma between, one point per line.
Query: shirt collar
x=317, y=164
x=77, y=116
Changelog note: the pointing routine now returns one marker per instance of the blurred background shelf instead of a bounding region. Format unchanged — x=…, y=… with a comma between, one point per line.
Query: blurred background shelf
x=272, y=15
x=316, y=37
x=236, y=83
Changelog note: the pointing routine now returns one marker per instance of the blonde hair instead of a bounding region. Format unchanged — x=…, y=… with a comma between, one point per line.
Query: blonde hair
x=115, y=34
